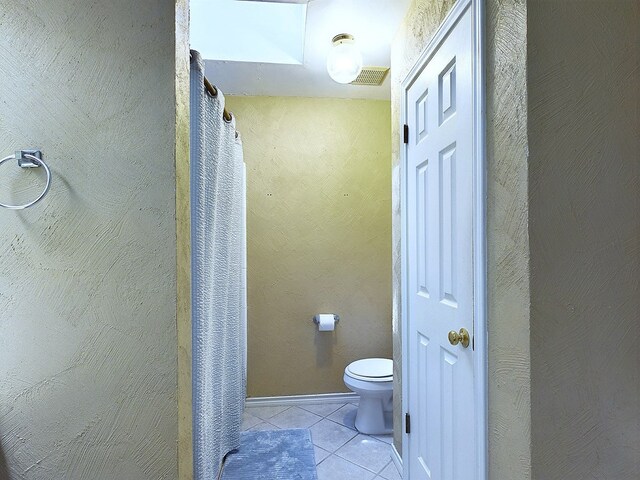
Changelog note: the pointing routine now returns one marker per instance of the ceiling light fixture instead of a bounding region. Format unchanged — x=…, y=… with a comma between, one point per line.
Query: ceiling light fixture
x=344, y=61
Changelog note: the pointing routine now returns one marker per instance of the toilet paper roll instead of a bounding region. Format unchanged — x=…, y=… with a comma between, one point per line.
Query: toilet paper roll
x=326, y=322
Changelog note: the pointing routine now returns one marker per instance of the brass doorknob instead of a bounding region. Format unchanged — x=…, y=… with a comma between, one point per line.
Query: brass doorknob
x=459, y=338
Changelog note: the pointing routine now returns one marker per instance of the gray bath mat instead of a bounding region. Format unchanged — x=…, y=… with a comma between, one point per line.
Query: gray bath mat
x=272, y=455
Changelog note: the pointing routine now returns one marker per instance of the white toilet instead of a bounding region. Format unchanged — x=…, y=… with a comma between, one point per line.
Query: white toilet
x=372, y=379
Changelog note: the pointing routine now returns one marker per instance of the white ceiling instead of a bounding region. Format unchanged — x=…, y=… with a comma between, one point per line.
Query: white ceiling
x=249, y=31
x=372, y=22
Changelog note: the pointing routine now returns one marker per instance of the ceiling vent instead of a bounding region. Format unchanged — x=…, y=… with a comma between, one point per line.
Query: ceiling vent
x=371, y=76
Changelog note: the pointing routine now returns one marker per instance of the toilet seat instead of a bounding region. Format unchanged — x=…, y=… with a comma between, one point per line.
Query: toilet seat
x=371, y=370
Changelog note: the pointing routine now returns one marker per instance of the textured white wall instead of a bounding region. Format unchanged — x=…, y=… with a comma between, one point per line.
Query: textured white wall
x=87, y=286
x=584, y=172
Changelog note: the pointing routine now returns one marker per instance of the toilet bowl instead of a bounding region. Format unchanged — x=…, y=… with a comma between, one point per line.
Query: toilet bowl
x=372, y=379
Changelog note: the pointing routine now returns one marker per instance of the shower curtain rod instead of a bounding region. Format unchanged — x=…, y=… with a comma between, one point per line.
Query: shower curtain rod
x=213, y=91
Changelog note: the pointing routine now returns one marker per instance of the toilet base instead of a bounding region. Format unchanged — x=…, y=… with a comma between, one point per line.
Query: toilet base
x=373, y=418
x=374, y=415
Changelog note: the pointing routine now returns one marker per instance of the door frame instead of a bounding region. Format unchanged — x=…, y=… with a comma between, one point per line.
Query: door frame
x=480, y=366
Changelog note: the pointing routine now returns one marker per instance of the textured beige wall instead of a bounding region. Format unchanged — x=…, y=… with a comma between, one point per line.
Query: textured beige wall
x=183, y=247
x=508, y=296
x=87, y=288
x=584, y=142
x=319, y=238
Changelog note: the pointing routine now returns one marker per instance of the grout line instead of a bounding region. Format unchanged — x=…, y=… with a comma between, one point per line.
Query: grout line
x=343, y=425
x=323, y=416
x=248, y=410
x=362, y=466
x=341, y=445
x=383, y=469
x=324, y=459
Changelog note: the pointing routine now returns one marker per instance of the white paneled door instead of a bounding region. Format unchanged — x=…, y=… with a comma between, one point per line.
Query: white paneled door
x=439, y=260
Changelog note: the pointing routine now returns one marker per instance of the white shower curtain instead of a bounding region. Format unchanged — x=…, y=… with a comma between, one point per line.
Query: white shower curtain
x=217, y=278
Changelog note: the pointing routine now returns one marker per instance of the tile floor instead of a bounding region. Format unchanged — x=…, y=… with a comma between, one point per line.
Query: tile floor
x=341, y=452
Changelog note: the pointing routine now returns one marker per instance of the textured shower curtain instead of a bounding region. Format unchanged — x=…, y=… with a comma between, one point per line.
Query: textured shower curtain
x=217, y=278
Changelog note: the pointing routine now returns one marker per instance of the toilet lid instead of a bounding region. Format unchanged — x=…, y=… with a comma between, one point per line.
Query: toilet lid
x=374, y=368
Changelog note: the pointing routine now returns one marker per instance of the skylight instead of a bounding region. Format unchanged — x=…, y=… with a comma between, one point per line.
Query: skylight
x=248, y=31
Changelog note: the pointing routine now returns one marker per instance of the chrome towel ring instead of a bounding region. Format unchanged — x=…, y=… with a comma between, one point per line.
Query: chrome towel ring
x=29, y=159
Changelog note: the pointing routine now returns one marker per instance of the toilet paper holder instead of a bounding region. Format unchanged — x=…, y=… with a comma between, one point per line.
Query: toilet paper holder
x=316, y=320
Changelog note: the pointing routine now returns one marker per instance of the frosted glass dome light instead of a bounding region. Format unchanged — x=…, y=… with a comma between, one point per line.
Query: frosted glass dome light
x=344, y=62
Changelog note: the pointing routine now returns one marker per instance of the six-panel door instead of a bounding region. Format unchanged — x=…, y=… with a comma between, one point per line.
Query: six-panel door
x=440, y=261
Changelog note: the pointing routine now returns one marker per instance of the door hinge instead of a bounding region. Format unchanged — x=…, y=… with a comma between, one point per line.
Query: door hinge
x=407, y=423
x=406, y=133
